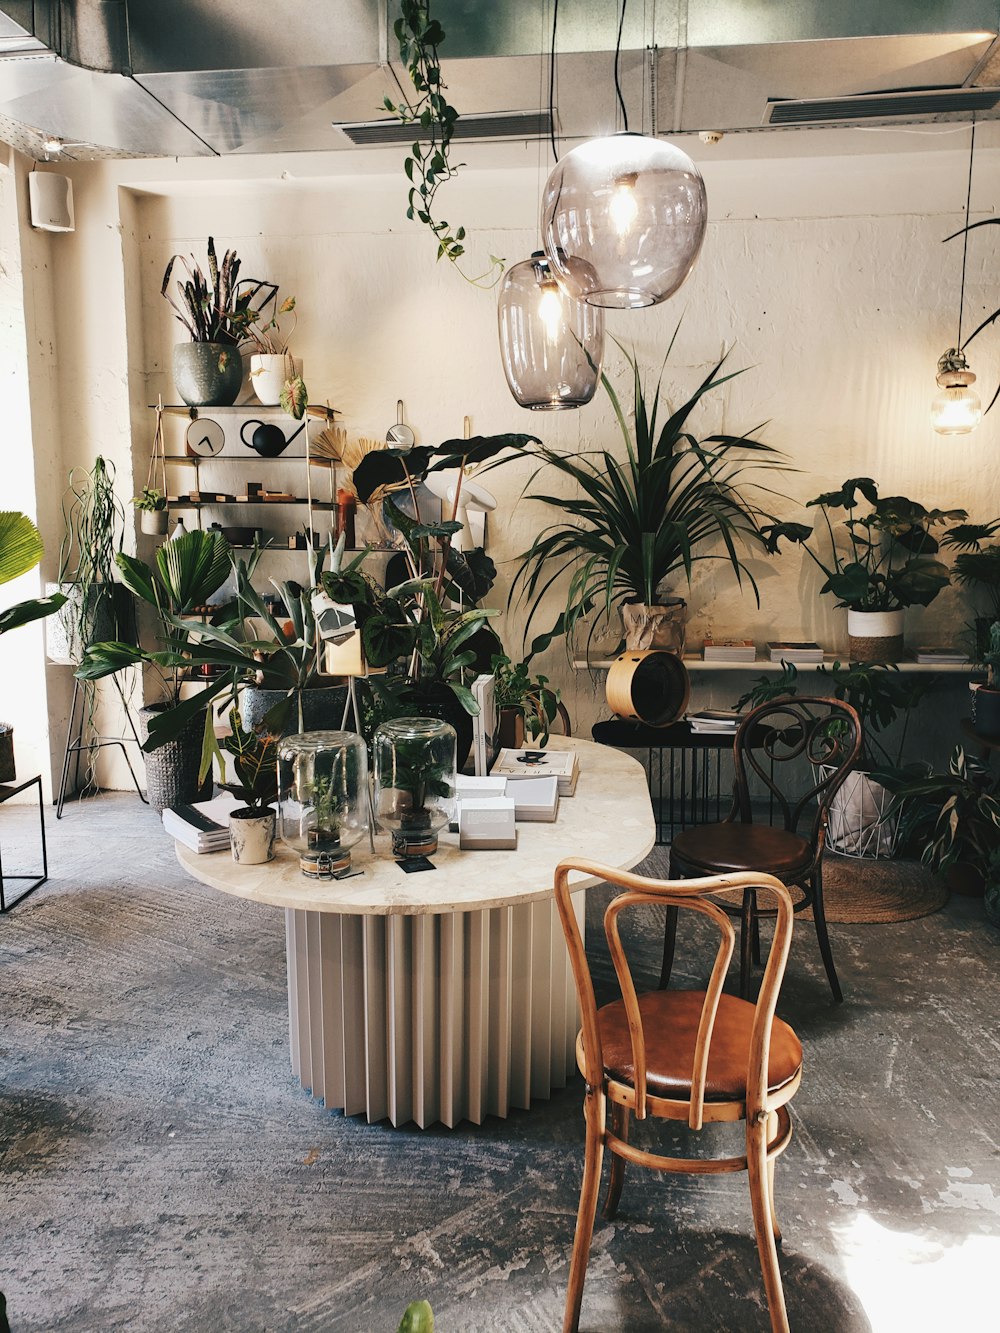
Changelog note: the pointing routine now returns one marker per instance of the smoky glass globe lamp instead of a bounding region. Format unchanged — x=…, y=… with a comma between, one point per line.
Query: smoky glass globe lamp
x=415, y=782
x=323, y=799
x=551, y=345
x=623, y=220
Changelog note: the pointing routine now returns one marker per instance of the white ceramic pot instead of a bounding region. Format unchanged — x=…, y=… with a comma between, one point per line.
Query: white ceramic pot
x=154, y=521
x=251, y=835
x=875, y=636
x=269, y=373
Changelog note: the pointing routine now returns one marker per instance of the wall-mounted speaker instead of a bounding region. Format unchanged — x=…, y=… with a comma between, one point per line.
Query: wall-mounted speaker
x=50, y=198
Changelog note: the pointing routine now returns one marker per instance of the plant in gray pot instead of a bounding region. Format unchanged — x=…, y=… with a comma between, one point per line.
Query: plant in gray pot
x=216, y=312
x=187, y=572
x=255, y=760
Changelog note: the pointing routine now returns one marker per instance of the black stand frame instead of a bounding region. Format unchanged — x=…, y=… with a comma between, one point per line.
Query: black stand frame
x=7, y=790
x=75, y=745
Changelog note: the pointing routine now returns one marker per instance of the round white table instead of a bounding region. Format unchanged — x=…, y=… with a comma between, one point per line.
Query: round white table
x=445, y=995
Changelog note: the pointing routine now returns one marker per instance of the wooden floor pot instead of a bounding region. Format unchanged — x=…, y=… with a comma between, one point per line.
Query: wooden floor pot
x=652, y=687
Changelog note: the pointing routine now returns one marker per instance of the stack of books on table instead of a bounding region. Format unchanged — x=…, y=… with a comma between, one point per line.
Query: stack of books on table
x=795, y=652
x=729, y=650
x=526, y=763
x=714, y=721
x=940, y=656
x=203, y=827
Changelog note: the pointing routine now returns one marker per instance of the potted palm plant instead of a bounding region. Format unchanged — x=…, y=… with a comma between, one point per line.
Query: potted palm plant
x=977, y=567
x=633, y=528
x=186, y=573
x=20, y=550
x=216, y=312
x=889, y=564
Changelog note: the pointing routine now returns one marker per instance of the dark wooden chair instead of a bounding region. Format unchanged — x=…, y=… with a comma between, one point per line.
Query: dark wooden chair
x=806, y=744
x=698, y=1057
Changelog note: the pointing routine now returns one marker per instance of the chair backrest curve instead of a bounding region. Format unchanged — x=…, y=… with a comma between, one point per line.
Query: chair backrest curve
x=689, y=894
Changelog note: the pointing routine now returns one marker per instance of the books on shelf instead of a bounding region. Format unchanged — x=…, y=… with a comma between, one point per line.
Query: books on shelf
x=484, y=724
x=528, y=763
x=204, y=826
x=729, y=650
x=940, y=656
x=717, y=721
x=788, y=651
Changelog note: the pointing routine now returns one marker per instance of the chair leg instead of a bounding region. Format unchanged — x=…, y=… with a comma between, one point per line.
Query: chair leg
x=819, y=916
x=772, y=1130
x=669, y=942
x=594, y=1114
x=755, y=924
x=620, y=1118
x=747, y=919
x=757, y=1169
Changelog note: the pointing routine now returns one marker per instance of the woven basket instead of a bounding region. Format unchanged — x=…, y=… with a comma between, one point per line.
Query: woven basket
x=172, y=770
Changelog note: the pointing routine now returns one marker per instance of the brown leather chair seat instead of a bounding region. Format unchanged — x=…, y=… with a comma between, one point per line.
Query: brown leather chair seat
x=719, y=848
x=670, y=1022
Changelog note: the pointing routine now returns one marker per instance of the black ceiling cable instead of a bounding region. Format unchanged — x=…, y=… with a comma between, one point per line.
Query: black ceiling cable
x=552, y=81
x=618, y=51
x=965, y=238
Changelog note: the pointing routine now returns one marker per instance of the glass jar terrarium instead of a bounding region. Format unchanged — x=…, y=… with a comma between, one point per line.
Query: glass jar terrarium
x=414, y=782
x=323, y=798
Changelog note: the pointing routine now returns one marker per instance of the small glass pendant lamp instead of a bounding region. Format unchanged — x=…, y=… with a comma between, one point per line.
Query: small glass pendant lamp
x=623, y=220
x=551, y=345
x=323, y=798
x=956, y=410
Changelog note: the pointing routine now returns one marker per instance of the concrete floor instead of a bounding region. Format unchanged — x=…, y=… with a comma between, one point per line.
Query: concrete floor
x=160, y=1169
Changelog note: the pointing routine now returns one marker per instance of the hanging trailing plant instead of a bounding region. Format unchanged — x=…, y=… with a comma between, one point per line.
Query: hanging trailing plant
x=428, y=164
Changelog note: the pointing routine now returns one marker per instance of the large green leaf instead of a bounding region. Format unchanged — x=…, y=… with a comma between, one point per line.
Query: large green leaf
x=20, y=545
x=22, y=613
x=193, y=567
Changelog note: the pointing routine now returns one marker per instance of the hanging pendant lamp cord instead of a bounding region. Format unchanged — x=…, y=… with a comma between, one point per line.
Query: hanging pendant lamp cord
x=965, y=237
x=552, y=80
x=618, y=52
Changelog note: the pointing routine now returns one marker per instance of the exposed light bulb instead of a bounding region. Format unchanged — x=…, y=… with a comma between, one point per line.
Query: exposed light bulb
x=956, y=410
x=550, y=309
x=52, y=145
x=623, y=208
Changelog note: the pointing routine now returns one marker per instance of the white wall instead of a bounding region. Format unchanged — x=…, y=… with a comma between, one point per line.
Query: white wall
x=825, y=275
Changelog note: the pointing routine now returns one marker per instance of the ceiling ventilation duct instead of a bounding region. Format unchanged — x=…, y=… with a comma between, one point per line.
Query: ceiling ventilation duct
x=499, y=125
x=910, y=104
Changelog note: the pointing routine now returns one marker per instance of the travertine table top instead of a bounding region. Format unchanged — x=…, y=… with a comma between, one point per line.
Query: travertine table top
x=609, y=819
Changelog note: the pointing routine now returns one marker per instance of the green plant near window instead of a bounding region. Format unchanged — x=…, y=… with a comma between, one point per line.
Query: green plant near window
x=93, y=536
x=428, y=164
x=890, y=561
x=20, y=550
x=637, y=521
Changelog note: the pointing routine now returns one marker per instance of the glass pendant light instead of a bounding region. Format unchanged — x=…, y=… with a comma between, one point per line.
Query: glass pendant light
x=623, y=220
x=551, y=346
x=956, y=410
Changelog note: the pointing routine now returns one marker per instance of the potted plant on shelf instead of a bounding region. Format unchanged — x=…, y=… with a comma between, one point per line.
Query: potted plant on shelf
x=632, y=528
x=525, y=703
x=152, y=507
x=276, y=375
x=953, y=819
x=986, y=696
x=889, y=565
x=861, y=822
x=255, y=761
x=20, y=551
x=977, y=566
x=216, y=312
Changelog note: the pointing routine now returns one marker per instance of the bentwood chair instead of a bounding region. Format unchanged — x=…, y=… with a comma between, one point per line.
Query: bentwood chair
x=697, y=1056
x=795, y=754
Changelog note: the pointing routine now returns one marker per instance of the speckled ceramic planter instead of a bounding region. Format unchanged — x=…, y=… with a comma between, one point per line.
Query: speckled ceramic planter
x=208, y=374
x=251, y=835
